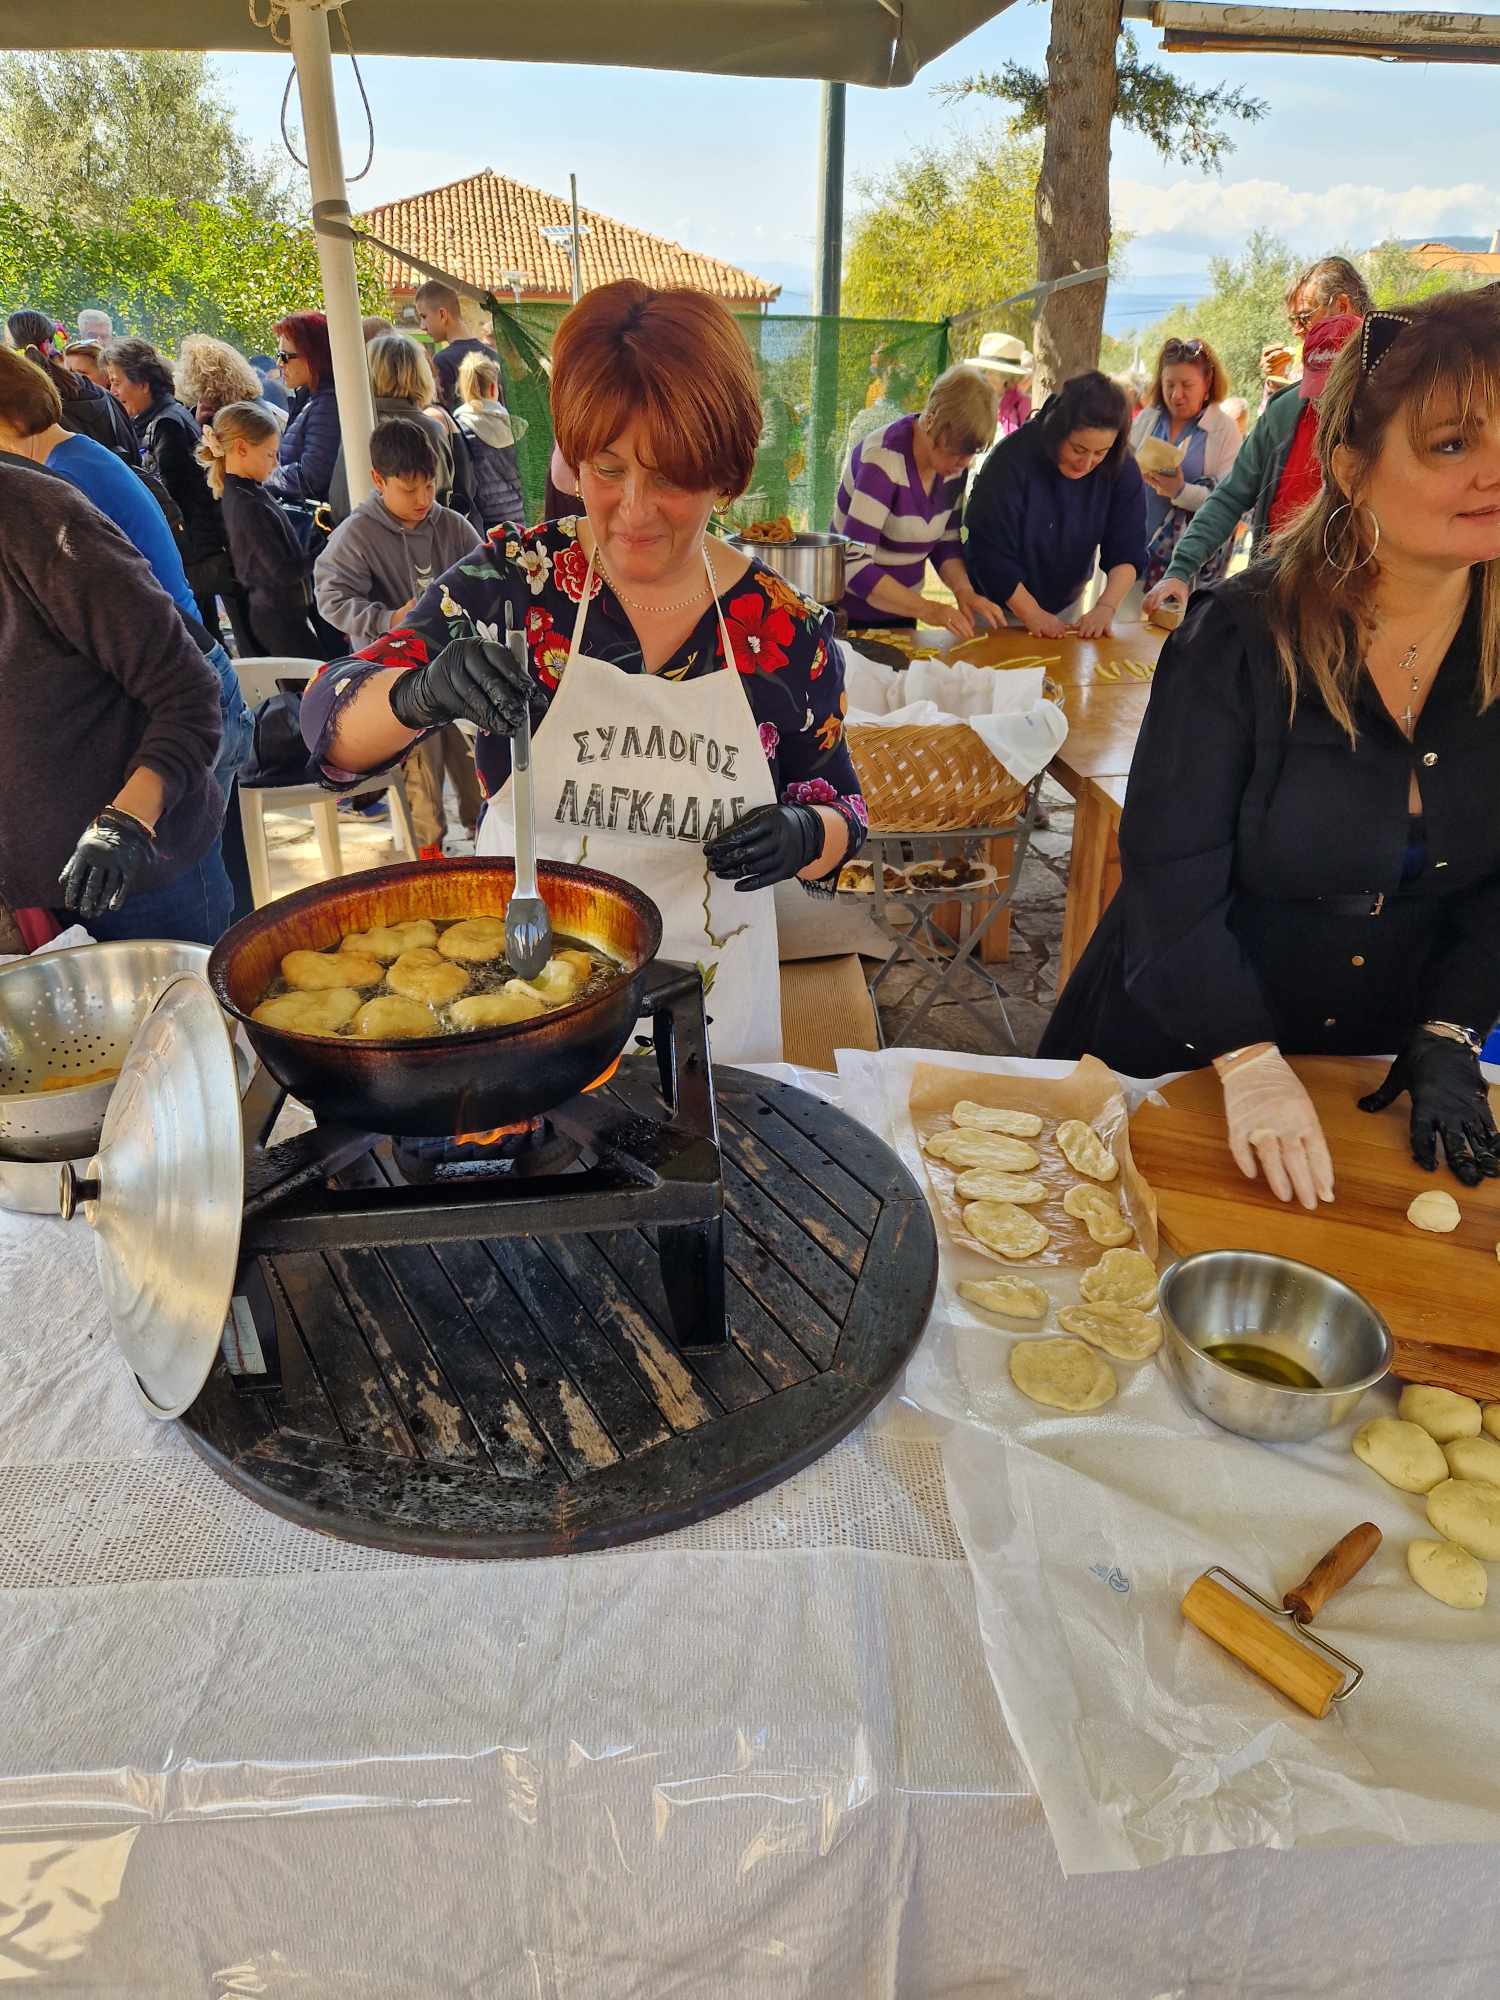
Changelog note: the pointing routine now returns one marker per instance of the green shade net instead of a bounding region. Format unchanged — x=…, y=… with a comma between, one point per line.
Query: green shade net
x=823, y=382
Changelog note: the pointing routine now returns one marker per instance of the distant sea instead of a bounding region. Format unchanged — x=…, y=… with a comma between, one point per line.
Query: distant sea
x=1130, y=306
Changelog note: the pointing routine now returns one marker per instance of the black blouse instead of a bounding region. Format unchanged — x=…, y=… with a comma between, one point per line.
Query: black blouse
x=1269, y=889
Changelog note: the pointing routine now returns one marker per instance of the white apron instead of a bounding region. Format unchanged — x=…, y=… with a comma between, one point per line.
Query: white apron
x=631, y=775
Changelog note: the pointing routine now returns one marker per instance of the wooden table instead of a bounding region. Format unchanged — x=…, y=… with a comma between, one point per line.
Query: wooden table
x=1104, y=718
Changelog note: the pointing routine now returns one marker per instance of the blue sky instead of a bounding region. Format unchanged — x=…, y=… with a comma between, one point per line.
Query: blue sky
x=1351, y=151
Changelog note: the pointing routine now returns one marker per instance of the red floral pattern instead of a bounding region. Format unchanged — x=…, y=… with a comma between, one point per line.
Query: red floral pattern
x=569, y=568
x=761, y=633
x=549, y=647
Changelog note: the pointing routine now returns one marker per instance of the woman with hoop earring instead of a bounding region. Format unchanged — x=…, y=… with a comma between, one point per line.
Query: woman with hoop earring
x=1310, y=846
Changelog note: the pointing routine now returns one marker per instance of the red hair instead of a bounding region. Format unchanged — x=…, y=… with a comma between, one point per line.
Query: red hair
x=308, y=333
x=675, y=359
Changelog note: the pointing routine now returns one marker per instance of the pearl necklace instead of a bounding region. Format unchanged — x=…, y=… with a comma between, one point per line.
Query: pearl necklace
x=705, y=589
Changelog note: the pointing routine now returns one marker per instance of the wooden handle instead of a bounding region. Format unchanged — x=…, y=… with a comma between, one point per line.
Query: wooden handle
x=1343, y=1561
x=1266, y=1647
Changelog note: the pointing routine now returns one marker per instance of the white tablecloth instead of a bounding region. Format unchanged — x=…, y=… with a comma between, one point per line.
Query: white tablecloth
x=760, y=1757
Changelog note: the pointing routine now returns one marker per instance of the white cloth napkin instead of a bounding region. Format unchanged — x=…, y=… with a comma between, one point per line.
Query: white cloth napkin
x=75, y=934
x=1007, y=711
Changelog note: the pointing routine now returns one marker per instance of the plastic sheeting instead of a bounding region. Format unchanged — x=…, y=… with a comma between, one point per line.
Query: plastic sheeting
x=759, y=1757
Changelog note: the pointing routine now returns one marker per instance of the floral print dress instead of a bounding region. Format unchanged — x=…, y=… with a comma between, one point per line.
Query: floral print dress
x=783, y=647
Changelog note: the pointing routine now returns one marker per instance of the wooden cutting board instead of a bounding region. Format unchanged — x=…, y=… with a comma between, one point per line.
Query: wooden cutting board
x=1440, y=1295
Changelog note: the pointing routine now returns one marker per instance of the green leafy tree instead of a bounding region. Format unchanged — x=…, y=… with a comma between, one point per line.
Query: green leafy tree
x=1245, y=309
x=1096, y=77
x=169, y=269
x=84, y=133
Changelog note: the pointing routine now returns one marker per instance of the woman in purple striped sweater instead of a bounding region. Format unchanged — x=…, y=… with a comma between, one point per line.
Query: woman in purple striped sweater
x=899, y=494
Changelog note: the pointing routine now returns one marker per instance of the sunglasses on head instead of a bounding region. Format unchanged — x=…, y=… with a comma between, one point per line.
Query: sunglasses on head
x=1182, y=350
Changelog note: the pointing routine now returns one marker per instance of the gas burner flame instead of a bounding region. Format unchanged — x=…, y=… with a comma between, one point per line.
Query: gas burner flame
x=498, y=1134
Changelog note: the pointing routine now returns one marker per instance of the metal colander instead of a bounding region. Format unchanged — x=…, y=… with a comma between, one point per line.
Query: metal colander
x=74, y=1013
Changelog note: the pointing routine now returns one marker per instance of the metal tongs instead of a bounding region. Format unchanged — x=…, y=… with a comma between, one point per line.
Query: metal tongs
x=528, y=928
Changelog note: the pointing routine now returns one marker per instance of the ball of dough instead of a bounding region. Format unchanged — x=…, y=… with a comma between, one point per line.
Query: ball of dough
x=1448, y=1573
x=474, y=940
x=1008, y=1230
x=1085, y=1152
x=1435, y=1210
x=1012, y=1298
x=495, y=1010
x=421, y=974
x=1120, y=1330
x=1474, y=1458
x=310, y=1013
x=318, y=971
x=388, y=941
x=1121, y=1278
x=1441, y=1413
x=1467, y=1511
x=1064, y=1374
x=987, y=1118
x=1099, y=1212
x=390, y=1018
x=982, y=1149
x=1403, y=1454
x=1489, y=1416
x=989, y=1184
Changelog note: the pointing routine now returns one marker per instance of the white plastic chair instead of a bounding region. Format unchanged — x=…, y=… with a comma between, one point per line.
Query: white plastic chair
x=257, y=679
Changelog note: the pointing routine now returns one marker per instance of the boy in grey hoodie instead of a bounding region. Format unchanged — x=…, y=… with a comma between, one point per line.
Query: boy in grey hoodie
x=375, y=567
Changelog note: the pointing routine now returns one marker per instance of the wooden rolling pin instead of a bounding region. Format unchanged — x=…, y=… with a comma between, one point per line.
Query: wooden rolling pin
x=1308, y=1677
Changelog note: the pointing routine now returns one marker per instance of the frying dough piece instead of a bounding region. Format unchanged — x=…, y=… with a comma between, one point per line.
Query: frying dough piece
x=1064, y=1374
x=1435, y=1210
x=985, y=1118
x=319, y=971
x=422, y=974
x=1012, y=1298
x=388, y=941
x=1121, y=1278
x=1002, y=1226
x=495, y=1010
x=310, y=1013
x=982, y=1149
x=1441, y=1413
x=556, y=983
x=1474, y=1458
x=1467, y=1511
x=1489, y=1416
x=1085, y=1152
x=987, y=1184
x=475, y=940
x=1120, y=1330
x=390, y=1018
x=1099, y=1212
x=1448, y=1573
x=1403, y=1454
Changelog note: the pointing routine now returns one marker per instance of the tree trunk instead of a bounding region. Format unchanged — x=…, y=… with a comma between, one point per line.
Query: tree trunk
x=1072, y=194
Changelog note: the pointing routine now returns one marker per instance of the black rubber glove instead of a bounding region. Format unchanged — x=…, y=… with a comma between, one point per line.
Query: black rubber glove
x=105, y=864
x=471, y=680
x=771, y=844
x=1449, y=1101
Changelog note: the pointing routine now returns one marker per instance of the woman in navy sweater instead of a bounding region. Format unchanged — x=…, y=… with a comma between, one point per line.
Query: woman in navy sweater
x=1056, y=495
x=309, y=446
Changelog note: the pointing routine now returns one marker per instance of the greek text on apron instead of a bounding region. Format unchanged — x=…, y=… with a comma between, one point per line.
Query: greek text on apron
x=631, y=775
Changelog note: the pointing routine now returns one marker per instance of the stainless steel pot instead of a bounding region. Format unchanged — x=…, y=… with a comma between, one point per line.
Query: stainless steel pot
x=814, y=564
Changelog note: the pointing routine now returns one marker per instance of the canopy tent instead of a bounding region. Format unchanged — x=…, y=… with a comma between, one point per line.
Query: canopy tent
x=876, y=42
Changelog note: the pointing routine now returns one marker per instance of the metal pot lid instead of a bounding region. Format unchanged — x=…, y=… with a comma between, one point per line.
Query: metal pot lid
x=170, y=1174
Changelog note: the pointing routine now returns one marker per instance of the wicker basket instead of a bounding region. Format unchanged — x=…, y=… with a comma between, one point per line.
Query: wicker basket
x=930, y=778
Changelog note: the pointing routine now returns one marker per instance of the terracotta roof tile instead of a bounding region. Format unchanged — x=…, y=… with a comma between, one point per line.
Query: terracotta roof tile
x=481, y=227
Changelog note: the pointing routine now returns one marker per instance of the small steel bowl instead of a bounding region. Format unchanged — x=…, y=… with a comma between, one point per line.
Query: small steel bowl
x=74, y=1013
x=1287, y=1308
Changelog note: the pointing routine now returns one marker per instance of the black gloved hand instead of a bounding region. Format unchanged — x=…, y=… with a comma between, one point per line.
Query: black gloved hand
x=104, y=865
x=1449, y=1101
x=471, y=680
x=771, y=844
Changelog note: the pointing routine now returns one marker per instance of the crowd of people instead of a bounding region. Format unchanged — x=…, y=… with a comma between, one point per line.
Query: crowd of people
x=1308, y=864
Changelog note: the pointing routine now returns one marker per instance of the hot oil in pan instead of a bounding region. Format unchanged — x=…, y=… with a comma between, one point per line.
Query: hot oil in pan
x=1263, y=1364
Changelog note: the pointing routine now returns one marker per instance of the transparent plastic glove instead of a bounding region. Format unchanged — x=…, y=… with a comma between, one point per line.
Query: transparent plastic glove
x=1273, y=1127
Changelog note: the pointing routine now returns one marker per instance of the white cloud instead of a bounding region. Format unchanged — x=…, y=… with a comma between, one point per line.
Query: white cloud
x=1212, y=214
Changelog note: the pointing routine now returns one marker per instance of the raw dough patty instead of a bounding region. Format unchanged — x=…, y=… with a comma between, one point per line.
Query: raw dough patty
x=1085, y=1152
x=1099, y=1212
x=1435, y=1210
x=1403, y=1454
x=986, y=1118
x=1443, y=1414
x=1064, y=1374
x=982, y=1149
x=987, y=1184
x=1120, y=1330
x=1121, y=1278
x=1003, y=1227
x=1448, y=1573
x=1012, y=1298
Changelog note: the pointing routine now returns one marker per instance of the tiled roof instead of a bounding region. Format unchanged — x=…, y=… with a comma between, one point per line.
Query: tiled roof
x=1443, y=257
x=486, y=225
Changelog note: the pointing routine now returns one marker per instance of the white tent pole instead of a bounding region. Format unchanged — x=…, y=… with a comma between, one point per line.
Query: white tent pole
x=325, y=164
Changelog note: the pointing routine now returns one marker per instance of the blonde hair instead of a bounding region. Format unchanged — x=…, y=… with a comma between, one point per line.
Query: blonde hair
x=399, y=369
x=212, y=372
x=1189, y=353
x=477, y=371
x=1444, y=360
x=961, y=410
x=245, y=423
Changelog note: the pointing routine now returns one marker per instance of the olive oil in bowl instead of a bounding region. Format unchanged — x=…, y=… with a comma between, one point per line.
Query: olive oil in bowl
x=1262, y=1364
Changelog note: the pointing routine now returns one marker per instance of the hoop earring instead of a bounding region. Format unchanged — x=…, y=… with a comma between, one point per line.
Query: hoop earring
x=1348, y=569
